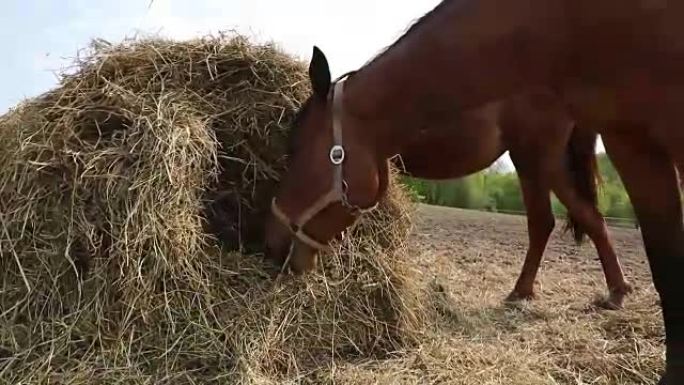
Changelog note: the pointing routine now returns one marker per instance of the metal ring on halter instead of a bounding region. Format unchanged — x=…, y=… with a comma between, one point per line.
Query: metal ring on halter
x=337, y=154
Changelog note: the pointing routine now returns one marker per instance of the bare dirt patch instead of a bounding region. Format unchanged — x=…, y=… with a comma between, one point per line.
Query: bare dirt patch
x=470, y=261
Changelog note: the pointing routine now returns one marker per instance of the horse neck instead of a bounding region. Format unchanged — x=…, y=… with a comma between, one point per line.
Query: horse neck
x=460, y=56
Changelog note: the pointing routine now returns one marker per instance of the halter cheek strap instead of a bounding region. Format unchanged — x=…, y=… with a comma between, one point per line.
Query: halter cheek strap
x=338, y=190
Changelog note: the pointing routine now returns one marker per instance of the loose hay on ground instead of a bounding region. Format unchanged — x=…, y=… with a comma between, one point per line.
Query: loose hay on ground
x=110, y=271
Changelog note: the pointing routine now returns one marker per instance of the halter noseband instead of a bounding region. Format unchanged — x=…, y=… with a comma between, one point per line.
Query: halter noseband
x=338, y=191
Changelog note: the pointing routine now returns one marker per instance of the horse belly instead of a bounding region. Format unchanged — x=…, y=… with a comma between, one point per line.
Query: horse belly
x=458, y=152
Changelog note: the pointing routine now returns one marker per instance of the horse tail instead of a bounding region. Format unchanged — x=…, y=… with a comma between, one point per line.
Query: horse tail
x=583, y=168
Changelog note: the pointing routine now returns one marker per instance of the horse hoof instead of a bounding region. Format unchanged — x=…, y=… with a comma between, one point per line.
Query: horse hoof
x=616, y=298
x=613, y=302
x=516, y=297
x=607, y=304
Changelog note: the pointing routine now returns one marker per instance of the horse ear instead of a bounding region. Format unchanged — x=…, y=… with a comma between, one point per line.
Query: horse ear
x=319, y=73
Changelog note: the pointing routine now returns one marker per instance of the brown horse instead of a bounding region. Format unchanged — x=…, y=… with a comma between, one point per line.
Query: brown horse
x=618, y=66
x=548, y=156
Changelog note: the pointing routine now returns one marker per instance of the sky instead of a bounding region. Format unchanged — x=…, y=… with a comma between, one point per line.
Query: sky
x=38, y=38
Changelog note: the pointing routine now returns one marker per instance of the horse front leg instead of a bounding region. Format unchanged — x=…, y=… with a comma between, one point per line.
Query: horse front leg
x=540, y=223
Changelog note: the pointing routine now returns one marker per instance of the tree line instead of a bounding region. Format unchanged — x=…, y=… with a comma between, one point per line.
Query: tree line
x=499, y=191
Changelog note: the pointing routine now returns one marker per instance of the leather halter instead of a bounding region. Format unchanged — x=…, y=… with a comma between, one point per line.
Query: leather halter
x=338, y=190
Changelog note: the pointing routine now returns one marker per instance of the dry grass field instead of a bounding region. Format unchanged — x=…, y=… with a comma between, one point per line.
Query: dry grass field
x=470, y=260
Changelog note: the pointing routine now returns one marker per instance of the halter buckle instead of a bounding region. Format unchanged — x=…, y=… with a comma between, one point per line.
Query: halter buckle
x=337, y=154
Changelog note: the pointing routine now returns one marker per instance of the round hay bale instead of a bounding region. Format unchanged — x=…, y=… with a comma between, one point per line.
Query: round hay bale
x=117, y=190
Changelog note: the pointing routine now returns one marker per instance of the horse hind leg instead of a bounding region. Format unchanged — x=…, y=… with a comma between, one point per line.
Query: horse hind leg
x=591, y=221
x=574, y=183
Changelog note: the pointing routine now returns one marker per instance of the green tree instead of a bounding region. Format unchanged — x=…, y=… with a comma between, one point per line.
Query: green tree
x=496, y=189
